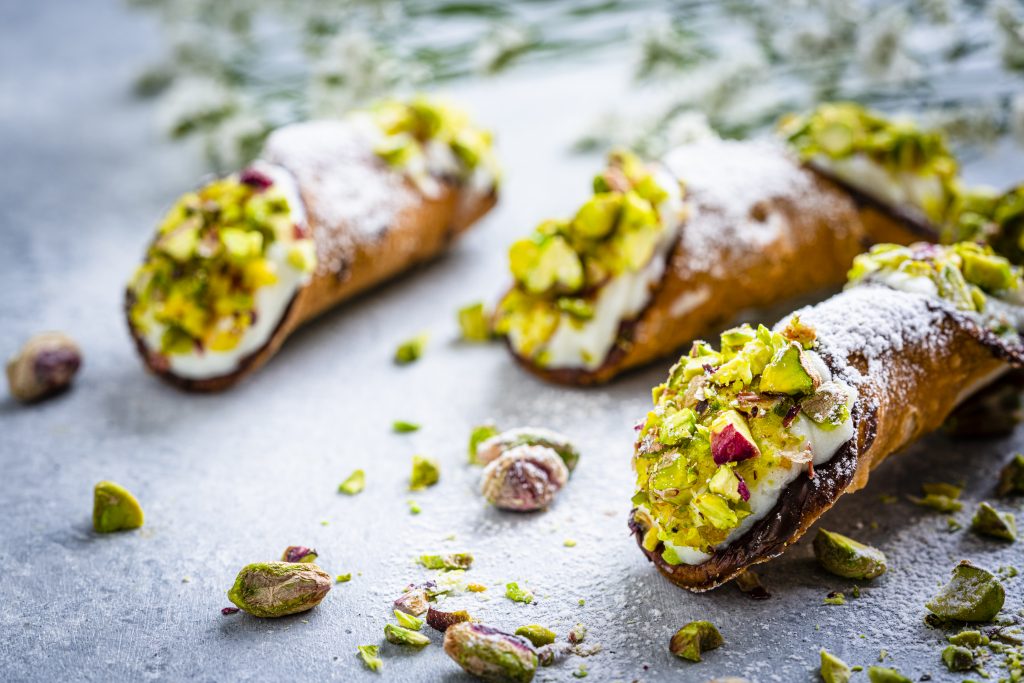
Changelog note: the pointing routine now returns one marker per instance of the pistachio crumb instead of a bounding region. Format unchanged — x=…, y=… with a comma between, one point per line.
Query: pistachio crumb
x=448, y=562
x=516, y=594
x=835, y=598
x=353, y=484
x=414, y=507
x=833, y=669
x=370, y=655
x=475, y=322
x=569, y=543
x=425, y=472
x=411, y=350
x=403, y=427
x=342, y=578
x=695, y=638
x=408, y=621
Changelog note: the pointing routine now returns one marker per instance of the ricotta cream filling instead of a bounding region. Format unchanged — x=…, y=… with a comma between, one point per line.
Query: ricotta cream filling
x=270, y=304
x=896, y=188
x=586, y=344
x=764, y=493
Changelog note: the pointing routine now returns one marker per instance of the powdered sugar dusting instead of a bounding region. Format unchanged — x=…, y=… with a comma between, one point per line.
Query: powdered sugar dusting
x=351, y=196
x=730, y=185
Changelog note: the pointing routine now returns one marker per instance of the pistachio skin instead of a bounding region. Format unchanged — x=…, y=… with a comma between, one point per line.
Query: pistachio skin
x=846, y=557
x=490, y=449
x=524, y=479
x=276, y=589
x=298, y=553
x=693, y=639
x=833, y=669
x=972, y=594
x=114, y=508
x=988, y=521
x=45, y=366
x=490, y=654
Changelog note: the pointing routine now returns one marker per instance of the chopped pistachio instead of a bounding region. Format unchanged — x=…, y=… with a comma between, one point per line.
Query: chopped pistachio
x=988, y=521
x=577, y=634
x=408, y=621
x=569, y=543
x=442, y=621
x=114, y=508
x=957, y=658
x=413, y=601
x=972, y=594
x=298, y=553
x=425, y=472
x=276, y=589
x=403, y=636
x=536, y=634
x=695, y=638
x=581, y=602
x=881, y=674
x=939, y=496
x=490, y=654
x=353, y=484
x=581, y=672
x=833, y=669
x=835, y=598
x=370, y=654
x=1011, y=479
x=414, y=507
x=446, y=562
x=846, y=557
x=476, y=587
x=477, y=436
x=516, y=594
x=403, y=427
x=343, y=578
x=968, y=639
x=475, y=322
x=411, y=350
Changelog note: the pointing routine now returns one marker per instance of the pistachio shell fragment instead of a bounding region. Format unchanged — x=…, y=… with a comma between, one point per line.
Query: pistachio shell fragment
x=45, y=366
x=489, y=450
x=958, y=658
x=988, y=521
x=114, y=508
x=846, y=557
x=276, y=589
x=536, y=634
x=693, y=639
x=490, y=654
x=972, y=594
x=833, y=669
x=1011, y=479
x=882, y=674
x=404, y=636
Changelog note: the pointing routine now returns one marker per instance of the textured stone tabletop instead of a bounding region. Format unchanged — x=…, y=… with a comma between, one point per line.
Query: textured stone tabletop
x=230, y=479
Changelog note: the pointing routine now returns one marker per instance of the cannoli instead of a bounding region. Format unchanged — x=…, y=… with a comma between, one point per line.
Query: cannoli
x=330, y=209
x=748, y=445
x=662, y=252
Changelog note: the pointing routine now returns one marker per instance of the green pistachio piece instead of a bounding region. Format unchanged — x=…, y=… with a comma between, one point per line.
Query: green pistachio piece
x=990, y=272
x=835, y=598
x=597, y=217
x=972, y=594
x=516, y=594
x=827, y=405
x=725, y=483
x=343, y=578
x=1011, y=479
x=577, y=634
x=425, y=472
x=490, y=654
x=446, y=562
x=715, y=511
x=407, y=620
x=833, y=669
x=370, y=654
x=403, y=427
x=939, y=496
x=480, y=434
x=275, y=589
x=353, y=484
x=298, y=553
x=536, y=634
x=788, y=373
x=881, y=674
x=677, y=427
x=695, y=638
x=580, y=309
x=988, y=521
x=845, y=557
x=411, y=350
x=968, y=639
x=114, y=508
x=475, y=322
x=957, y=658
x=403, y=636
x=501, y=442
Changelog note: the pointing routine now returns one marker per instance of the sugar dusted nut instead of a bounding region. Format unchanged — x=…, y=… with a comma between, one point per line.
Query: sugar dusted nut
x=833, y=669
x=988, y=521
x=524, y=479
x=404, y=636
x=114, y=508
x=693, y=639
x=298, y=553
x=489, y=450
x=45, y=366
x=442, y=621
x=845, y=557
x=413, y=601
x=275, y=589
x=972, y=594
x=490, y=654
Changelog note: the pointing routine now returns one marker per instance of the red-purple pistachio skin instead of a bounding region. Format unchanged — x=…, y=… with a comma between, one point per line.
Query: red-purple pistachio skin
x=524, y=479
x=298, y=553
x=44, y=367
x=442, y=621
x=490, y=654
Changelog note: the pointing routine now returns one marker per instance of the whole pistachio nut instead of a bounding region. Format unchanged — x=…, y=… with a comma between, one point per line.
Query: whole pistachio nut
x=536, y=634
x=413, y=601
x=114, y=508
x=693, y=639
x=958, y=658
x=489, y=450
x=988, y=521
x=882, y=674
x=275, y=589
x=490, y=654
x=1011, y=479
x=442, y=621
x=846, y=557
x=404, y=636
x=298, y=553
x=833, y=669
x=972, y=594
x=524, y=479
x=44, y=367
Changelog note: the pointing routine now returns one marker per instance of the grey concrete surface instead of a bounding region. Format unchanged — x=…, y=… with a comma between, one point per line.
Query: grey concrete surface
x=230, y=479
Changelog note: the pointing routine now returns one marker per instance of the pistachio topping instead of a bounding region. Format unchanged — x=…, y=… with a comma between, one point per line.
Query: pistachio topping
x=425, y=472
x=414, y=601
x=883, y=674
x=972, y=594
x=560, y=269
x=845, y=557
x=477, y=436
x=45, y=366
x=114, y=508
x=215, y=250
x=577, y=634
x=536, y=634
x=404, y=636
x=980, y=214
x=988, y=521
x=726, y=422
x=490, y=654
x=838, y=134
x=695, y=638
x=833, y=669
x=370, y=654
x=1011, y=478
x=404, y=427
x=276, y=589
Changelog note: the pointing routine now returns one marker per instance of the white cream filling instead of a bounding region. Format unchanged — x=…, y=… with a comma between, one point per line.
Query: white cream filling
x=869, y=176
x=271, y=301
x=586, y=344
x=765, y=492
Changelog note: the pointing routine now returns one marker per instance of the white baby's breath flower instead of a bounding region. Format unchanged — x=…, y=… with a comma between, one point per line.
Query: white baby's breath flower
x=1017, y=117
x=881, y=50
x=686, y=128
x=502, y=45
x=194, y=103
x=352, y=69
x=236, y=140
x=1011, y=33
